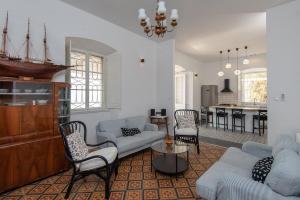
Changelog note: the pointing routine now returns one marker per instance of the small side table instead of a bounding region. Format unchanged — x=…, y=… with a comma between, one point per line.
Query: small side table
x=160, y=120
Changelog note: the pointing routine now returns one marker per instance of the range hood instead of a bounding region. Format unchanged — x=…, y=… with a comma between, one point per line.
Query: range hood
x=226, y=86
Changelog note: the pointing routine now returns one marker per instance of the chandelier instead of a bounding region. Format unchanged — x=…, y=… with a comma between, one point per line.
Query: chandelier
x=161, y=27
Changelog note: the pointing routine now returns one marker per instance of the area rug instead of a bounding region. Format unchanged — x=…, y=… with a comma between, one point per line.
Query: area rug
x=135, y=181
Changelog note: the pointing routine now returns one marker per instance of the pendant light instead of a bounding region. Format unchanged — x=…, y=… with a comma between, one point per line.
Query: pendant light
x=246, y=61
x=237, y=71
x=221, y=73
x=228, y=64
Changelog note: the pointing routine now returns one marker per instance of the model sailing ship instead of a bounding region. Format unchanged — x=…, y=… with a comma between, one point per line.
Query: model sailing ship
x=16, y=67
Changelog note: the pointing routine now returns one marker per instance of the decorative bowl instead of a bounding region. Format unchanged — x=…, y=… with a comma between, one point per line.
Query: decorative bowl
x=3, y=90
x=41, y=90
x=16, y=90
x=42, y=102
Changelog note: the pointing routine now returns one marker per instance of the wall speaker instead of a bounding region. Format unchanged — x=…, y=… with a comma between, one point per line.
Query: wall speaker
x=163, y=112
x=152, y=112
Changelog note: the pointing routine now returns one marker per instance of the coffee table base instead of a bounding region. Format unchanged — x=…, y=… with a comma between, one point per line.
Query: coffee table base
x=167, y=164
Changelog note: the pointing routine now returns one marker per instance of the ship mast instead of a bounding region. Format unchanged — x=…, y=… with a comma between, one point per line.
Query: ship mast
x=27, y=42
x=4, y=38
x=45, y=45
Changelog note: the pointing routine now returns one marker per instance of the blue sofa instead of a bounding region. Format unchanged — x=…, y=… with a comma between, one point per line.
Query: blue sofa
x=111, y=130
x=230, y=178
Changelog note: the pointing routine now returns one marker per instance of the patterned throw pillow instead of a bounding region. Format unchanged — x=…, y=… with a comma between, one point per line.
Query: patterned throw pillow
x=261, y=169
x=130, y=131
x=186, y=121
x=77, y=146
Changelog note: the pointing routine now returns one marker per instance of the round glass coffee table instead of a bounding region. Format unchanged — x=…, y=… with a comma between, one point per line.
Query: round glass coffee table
x=169, y=162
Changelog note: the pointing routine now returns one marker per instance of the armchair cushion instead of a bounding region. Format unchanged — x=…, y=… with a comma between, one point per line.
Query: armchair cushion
x=284, y=177
x=185, y=131
x=77, y=146
x=109, y=153
x=186, y=121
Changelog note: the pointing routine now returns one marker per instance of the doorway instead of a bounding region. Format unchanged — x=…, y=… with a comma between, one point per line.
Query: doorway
x=183, y=88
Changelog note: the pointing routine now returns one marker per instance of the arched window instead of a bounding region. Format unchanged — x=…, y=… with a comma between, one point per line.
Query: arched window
x=253, y=86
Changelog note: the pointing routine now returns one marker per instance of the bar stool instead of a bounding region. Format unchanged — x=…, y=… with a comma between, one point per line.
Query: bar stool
x=221, y=113
x=237, y=114
x=262, y=116
x=206, y=115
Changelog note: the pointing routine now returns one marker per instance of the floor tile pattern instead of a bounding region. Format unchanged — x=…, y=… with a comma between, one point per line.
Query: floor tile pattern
x=135, y=181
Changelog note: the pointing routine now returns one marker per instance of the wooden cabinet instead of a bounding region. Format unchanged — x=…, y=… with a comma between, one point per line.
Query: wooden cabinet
x=31, y=147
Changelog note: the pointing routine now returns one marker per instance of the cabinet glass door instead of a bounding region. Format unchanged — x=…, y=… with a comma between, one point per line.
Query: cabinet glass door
x=63, y=105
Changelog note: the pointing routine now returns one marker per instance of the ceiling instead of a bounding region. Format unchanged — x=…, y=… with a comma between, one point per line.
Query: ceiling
x=205, y=26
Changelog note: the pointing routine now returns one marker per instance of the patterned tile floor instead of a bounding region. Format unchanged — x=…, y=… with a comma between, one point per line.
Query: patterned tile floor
x=135, y=181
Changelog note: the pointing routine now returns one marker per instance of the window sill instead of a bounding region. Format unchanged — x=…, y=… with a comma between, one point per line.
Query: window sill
x=75, y=112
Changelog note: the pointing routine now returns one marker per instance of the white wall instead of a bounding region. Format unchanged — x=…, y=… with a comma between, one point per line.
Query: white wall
x=209, y=76
x=63, y=20
x=165, y=77
x=283, y=33
x=195, y=66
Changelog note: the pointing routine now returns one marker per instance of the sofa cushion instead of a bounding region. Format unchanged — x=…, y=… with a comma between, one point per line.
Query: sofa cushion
x=207, y=183
x=130, y=131
x=261, y=169
x=240, y=159
x=136, y=122
x=284, y=142
x=284, y=177
x=186, y=131
x=132, y=142
x=113, y=126
x=109, y=153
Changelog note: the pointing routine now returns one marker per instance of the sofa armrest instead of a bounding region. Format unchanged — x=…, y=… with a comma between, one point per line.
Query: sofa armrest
x=257, y=149
x=106, y=136
x=150, y=127
x=232, y=186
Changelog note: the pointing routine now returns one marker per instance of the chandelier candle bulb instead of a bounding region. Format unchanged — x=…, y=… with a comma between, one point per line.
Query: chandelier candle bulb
x=161, y=8
x=142, y=14
x=174, y=14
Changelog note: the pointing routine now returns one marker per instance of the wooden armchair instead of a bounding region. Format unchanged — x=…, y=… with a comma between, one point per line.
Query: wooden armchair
x=186, y=128
x=101, y=161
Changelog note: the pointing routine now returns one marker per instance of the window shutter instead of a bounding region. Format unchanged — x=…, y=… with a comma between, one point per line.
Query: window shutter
x=113, y=81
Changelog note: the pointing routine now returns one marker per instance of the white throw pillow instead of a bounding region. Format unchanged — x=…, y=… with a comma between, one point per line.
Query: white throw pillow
x=186, y=121
x=77, y=146
x=285, y=142
x=284, y=177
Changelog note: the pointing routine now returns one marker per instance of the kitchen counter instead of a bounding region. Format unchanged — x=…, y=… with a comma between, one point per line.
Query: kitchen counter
x=246, y=108
x=249, y=111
